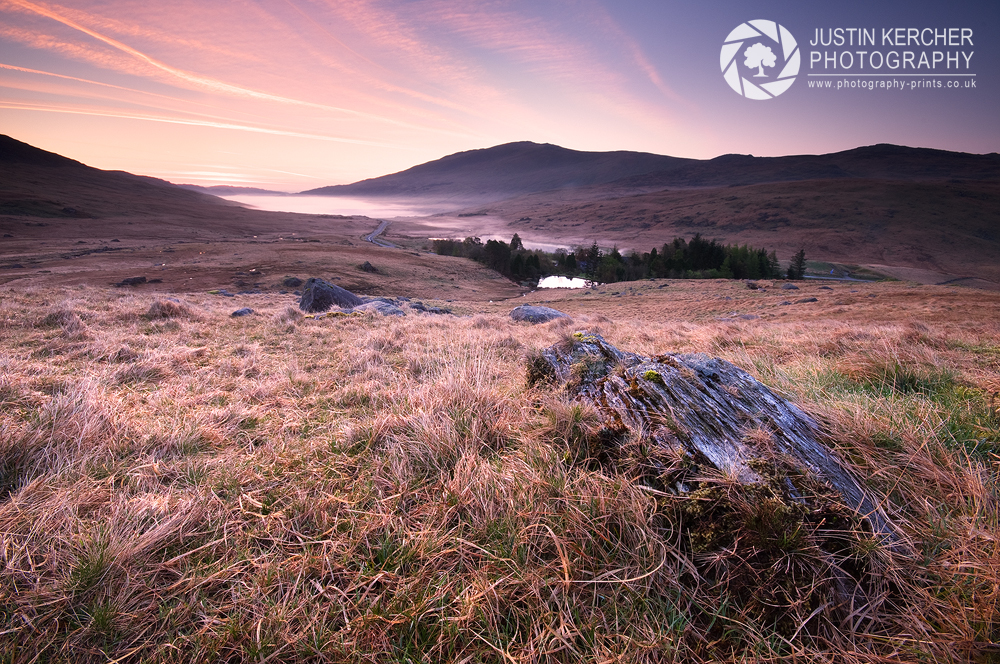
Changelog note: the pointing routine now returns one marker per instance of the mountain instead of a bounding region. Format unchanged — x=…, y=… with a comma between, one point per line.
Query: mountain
x=38, y=183
x=515, y=169
x=229, y=190
x=508, y=170
x=882, y=162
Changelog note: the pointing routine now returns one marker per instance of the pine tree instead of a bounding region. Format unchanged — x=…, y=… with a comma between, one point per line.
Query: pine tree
x=774, y=268
x=797, y=269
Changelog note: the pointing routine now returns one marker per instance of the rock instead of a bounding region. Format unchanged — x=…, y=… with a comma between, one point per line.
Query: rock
x=701, y=409
x=319, y=295
x=806, y=300
x=368, y=267
x=784, y=304
x=379, y=307
x=423, y=308
x=825, y=288
x=131, y=281
x=789, y=287
x=291, y=282
x=531, y=314
x=245, y=311
x=752, y=285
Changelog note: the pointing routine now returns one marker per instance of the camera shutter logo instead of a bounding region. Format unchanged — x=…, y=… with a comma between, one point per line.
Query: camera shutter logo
x=758, y=45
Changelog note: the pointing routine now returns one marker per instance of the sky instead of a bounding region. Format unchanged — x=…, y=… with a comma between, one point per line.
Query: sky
x=296, y=94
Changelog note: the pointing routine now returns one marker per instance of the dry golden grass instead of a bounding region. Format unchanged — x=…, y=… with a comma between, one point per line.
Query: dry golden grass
x=178, y=485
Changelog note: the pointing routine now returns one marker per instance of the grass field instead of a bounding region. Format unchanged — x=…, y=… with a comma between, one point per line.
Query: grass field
x=179, y=485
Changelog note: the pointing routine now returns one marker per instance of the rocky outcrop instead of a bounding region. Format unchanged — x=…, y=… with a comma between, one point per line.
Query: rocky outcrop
x=528, y=313
x=709, y=412
x=319, y=296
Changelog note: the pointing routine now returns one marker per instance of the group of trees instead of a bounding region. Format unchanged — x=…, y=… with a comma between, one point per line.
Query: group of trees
x=681, y=259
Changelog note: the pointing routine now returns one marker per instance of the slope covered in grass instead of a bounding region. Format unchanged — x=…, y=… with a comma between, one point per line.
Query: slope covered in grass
x=179, y=485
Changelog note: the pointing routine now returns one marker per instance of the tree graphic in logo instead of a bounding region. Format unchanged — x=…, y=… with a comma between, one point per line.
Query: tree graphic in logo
x=759, y=56
x=762, y=43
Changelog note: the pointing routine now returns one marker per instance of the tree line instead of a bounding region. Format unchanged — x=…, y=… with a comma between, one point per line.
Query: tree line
x=697, y=258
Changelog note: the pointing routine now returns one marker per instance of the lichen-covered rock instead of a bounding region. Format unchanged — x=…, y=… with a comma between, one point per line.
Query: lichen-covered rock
x=534, y=314
x=319, y=295
x=702, y=408
x=245, y=311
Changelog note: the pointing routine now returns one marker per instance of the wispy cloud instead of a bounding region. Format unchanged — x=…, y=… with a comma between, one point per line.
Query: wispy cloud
x=109, y=113
x=204, y=82
x=407, y=77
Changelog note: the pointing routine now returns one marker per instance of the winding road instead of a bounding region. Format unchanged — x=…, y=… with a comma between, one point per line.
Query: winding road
x=373, y=236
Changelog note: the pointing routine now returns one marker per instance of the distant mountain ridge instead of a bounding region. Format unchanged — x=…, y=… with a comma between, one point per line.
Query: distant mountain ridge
x=508, y=170
x=521, y=168
x=229, y=190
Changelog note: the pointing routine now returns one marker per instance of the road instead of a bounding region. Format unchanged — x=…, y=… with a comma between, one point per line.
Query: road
x=373, y=236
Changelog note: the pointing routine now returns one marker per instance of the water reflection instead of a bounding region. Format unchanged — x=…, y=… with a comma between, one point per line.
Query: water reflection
x=563, y=282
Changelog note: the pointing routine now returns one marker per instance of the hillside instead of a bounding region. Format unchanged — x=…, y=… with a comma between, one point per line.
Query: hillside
x=520, y=168
x=507, y=170
x=182, y=484
x=179, y=485
x=65, y=223
x=948, y=227
x=38, y=183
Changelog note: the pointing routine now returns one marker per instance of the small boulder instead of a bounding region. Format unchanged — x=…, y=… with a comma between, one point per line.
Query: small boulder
x=789, y=287
x=368, y=267
x=131, y=281
x=245, y=311
x=825, y=288
x=531, y=314
x=318, y=295
x=806, y=300
x=291, y=282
